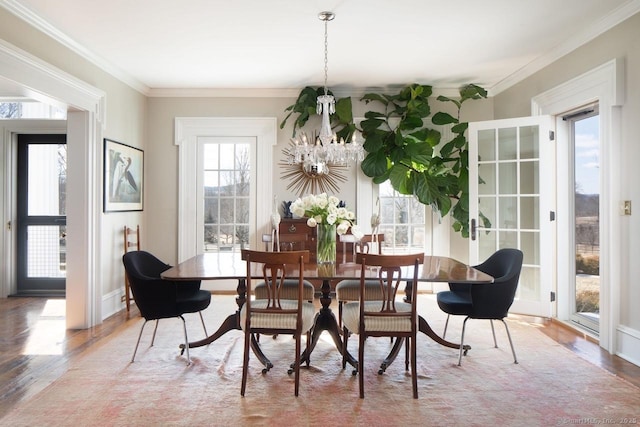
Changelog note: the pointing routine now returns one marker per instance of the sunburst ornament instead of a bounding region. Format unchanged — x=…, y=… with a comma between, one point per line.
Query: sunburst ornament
x=311, y=178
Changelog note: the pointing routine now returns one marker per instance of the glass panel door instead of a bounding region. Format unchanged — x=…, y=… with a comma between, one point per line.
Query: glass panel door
x=510, y=203
x=41, y=220
x=585, y=137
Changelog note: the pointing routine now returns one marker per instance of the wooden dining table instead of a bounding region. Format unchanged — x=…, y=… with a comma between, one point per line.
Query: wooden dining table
x=218, y=266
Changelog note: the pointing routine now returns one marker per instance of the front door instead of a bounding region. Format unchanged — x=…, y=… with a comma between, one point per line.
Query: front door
x=41, y=219
x=511, y=201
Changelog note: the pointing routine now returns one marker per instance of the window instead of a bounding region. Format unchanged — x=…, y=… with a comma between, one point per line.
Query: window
x=226, y=194
x=191, y=133
x=402, y=221
x=30, y=110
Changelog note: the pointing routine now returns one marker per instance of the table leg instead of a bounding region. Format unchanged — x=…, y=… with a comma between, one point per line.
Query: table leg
x=231, y=323
x=325, y=321
x=255, y=346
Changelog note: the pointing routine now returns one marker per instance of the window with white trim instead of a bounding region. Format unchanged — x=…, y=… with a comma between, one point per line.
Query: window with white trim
x=402, y=220
x=226, y=193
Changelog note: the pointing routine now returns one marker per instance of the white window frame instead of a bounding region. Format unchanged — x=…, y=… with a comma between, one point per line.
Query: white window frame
x=187, y=132
x=251, y=141
x=606, y=85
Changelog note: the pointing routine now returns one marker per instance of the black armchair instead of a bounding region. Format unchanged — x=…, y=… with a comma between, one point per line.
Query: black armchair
x=485, y=301
x=157, y=298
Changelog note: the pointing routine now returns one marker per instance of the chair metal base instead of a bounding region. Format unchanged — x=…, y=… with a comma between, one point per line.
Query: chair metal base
x=153, y=338
x=463, y=351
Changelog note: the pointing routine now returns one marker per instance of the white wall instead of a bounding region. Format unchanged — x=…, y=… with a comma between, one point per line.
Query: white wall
x=125, y=117
x=619, y=42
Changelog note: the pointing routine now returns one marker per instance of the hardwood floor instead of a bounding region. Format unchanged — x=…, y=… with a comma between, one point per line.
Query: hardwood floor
x=35, y=349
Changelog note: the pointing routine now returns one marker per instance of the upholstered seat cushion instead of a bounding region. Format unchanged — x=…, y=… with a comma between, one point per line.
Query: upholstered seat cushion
x=289, y=290
x=277, y=320
x=351, y=315
x=456, y=303
x=349, y=290
x=192, y=302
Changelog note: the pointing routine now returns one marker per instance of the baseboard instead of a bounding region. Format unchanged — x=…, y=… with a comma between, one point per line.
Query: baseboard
x=628, y=344
x=112, y=303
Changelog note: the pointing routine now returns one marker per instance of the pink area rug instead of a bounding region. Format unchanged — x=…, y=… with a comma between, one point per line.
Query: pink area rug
x=550, y=386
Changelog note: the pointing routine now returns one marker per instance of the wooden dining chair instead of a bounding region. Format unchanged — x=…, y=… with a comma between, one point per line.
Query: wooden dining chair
x=131, y=242
x=288, y=242
x=386, y=317
x=274, y=314
x=348, y=290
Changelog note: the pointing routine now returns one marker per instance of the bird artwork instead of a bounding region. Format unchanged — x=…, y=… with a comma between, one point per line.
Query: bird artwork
x=275, y=224
x=375, y=222
x=121, y=177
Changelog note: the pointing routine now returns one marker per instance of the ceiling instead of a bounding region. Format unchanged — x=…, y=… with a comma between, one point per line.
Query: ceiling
x=160, y=46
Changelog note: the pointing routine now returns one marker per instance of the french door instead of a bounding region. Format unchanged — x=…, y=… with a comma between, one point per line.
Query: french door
x=511, y=201
x=41, y=214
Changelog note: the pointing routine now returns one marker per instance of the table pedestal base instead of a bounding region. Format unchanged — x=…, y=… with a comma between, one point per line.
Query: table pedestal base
x=325, y=321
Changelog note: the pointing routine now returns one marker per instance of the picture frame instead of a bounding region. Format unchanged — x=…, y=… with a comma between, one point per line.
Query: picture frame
x=123, y=177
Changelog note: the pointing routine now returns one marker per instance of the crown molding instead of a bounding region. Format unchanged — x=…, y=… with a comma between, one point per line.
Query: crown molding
x=604, y=24
x=40, y=24
x=607, y=22
x=223, y=93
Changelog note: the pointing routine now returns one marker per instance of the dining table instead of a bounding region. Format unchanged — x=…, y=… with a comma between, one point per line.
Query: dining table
x=218, y=266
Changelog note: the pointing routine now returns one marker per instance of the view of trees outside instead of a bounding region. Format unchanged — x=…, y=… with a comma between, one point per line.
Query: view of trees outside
x=402, y=221
x=10, y=110
x=30, y=110
x=587, y=211
x=47, y=243
x=227, y=170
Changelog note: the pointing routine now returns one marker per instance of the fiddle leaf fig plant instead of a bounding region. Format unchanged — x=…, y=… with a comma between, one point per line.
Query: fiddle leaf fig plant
x=305, y=107
x=403, y=148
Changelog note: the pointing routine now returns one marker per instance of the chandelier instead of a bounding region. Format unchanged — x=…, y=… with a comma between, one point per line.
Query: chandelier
x=325, y=149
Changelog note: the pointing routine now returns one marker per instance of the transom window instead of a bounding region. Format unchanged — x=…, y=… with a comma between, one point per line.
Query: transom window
x=30, y=110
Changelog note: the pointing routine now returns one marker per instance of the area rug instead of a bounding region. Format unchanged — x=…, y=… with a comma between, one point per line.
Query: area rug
x=550, y=385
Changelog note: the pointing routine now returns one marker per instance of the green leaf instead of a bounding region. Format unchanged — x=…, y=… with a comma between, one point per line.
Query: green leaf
x=441, y=118
x=382, y=178
x=399, y=177
x=371, y=125
x=419, y=152
x=459, y=141
x=344, y=110
x=375, y=164
x=410, y=123
x=374, y=141
x=374, y=115
x=443, y=98
x=369, y=97
x=447, y=149
x=472, y=91
x=460, y=127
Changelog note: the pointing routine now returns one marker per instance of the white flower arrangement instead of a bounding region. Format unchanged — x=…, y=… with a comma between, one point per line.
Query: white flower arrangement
x=324, y=210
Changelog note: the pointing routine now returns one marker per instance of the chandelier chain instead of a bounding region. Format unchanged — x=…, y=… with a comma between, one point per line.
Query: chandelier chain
x=326, y=54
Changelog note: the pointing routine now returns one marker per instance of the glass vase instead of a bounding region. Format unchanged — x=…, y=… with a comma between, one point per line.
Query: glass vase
x=326, y=244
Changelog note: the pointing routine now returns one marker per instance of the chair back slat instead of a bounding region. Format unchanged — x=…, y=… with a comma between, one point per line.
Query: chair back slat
x=274, y=267
x=392, y=271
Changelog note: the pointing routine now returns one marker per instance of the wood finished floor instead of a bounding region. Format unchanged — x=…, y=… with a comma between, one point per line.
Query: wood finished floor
x=32, y=323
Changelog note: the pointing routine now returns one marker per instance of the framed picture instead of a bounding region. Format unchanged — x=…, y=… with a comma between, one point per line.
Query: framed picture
x=123, y=177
